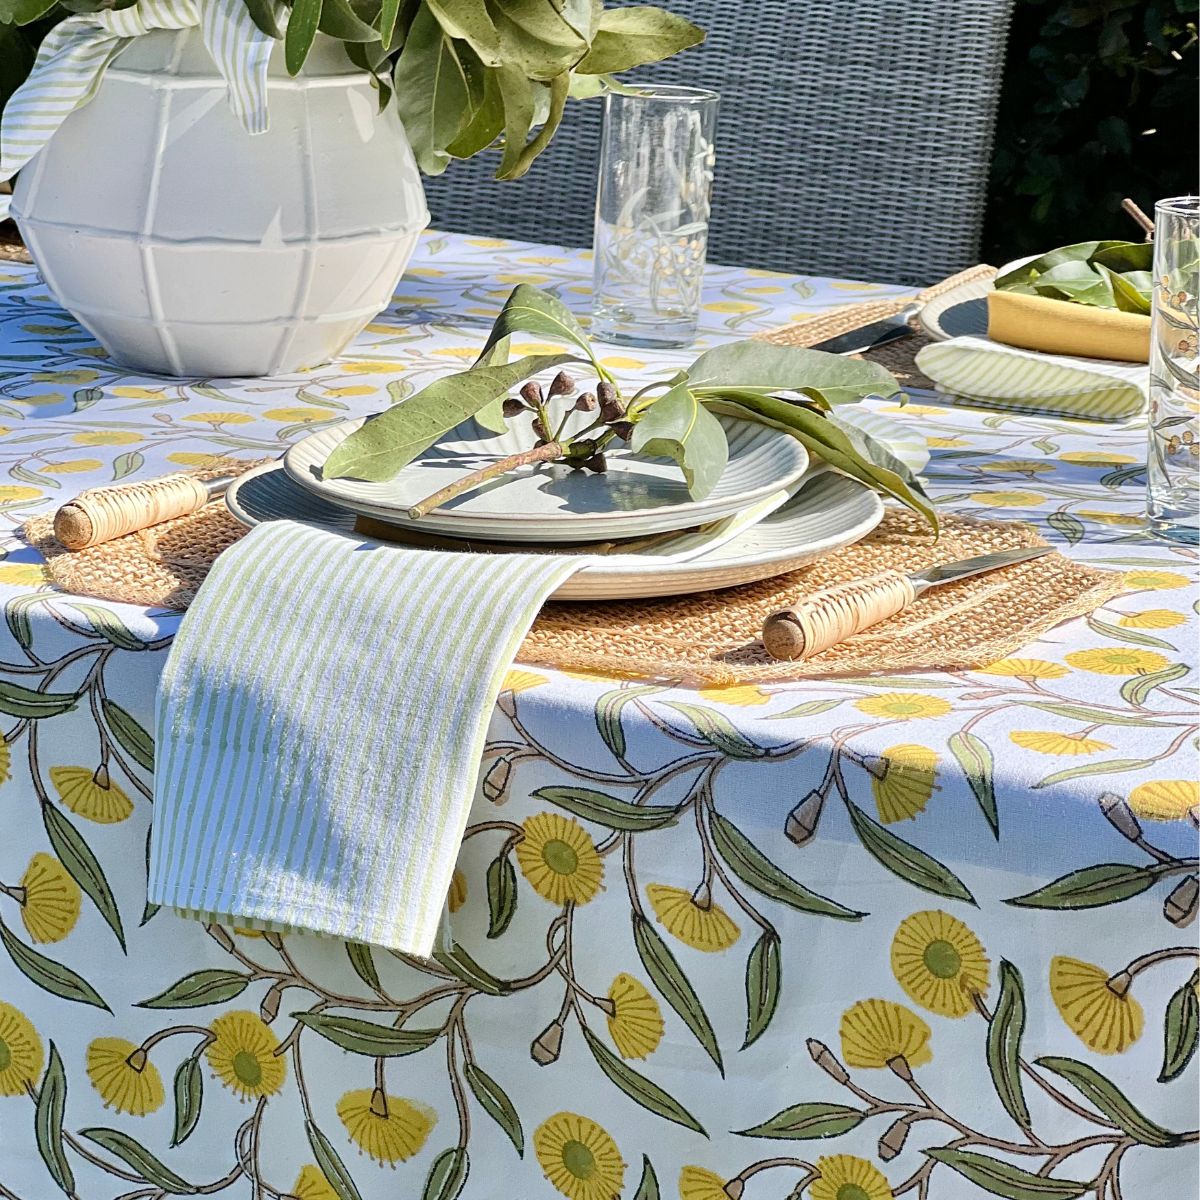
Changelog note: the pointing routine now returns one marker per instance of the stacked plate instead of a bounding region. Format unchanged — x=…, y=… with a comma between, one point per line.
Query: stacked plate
x=771, y=511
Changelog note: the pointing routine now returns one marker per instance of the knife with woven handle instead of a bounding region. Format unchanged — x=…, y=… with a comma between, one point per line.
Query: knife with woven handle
x=833, y=614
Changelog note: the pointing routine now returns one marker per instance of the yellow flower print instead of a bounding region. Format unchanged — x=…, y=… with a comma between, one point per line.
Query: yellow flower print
x=542, y=260
x=1097, y=458
x=23, y=574
x=1165, y=799
x=903, y=705
x=744, y=695
x=466, y=353
x=50, y=906
x=483, y=244
x=42, y=398
x=939, y=963
x=189, y=458
x=311, y=1184
x=945, y=443
x=1017, y=466
x=1152, y=618
x=636, y=1025
x=845, y=1177
x=72, y=467
x=876, y=1031
x=243, y=1055
x=695, y=1183
x=381, y=327
x=578, y=1158
x=72, y=377
x=1025, y=668
x=1117, y=660
x=91, y=794
x=5, y=762
x=522, y=681
x=1108, y=518
x=21, y=1054
x=1009, y=499
x=731, y=306
x=124, y=1076
x=354, y=389
x=219, y=418
x=106, y=437
x=1155, y=581
x=457, y=896
x=1048, y=742
x=370, y=368
x=1102, y=1019
x=906, y=784
x=13, y=493
x=137, y=393
x=559, y=859
x=388, y=1129
x=618, y=362
x=710, y=928
x=297, y=415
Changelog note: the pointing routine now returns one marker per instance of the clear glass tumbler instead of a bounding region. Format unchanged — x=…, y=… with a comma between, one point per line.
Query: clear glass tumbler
x=1173, y=454
x=652, y=207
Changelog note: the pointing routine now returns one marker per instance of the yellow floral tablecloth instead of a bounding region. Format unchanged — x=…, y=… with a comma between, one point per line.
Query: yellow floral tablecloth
x=849, y=939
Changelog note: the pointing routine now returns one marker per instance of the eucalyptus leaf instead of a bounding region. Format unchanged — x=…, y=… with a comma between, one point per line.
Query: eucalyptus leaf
x=633, y=37
x=531, y=310
x=516, y=97
x=301, y=29
x=536, y=37
x=389, y=441
x=679, y=427
x=1105, y=274
x=339, y=20
x=826, y=441
x=431, y=92
x=486, y=121
x=469, y=21
x=766, y=367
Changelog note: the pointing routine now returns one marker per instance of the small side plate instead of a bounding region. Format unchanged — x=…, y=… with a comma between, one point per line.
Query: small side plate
x=960, y=312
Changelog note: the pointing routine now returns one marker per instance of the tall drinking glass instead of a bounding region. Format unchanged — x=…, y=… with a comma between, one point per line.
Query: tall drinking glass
x=652, y=206
x=1173, y=454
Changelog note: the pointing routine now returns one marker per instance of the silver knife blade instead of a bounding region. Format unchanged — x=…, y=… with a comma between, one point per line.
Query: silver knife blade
x=867, y=337
x=966, y=567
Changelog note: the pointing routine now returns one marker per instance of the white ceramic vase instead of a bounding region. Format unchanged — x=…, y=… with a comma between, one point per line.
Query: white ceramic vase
x=189, y=247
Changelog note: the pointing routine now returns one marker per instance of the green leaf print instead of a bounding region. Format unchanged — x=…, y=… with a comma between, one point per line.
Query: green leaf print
x=49, y=975
x=804, y=1122
x=366, y=1037
x=764, y=982
x=130, y=735
x=82, y=865
x=501, y=894
x=1181, y=1030
x=975, y=758
x=133, y=1154
x=448, y=1175
x=189, y=1097
x=48, y=1121
x=209, y=986
x=1091, y=887
x=495, y=1102
x=330, y=1165
x=609, y=811
x=1003, y=1179
x=1005, y=1030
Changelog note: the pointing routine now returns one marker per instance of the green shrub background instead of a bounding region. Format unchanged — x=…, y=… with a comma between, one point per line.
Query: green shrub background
x=1099, y=102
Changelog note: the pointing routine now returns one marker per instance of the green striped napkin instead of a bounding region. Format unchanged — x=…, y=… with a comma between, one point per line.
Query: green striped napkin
x=979, y=371
x=321, y=721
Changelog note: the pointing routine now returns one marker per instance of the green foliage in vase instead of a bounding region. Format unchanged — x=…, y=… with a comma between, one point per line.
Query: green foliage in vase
x=1098, y=103
x=788, y=387
x=1101, y=274
x=463, y=74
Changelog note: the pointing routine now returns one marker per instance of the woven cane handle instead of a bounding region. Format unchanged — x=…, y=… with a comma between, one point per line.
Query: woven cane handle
x=101, y=514
x=831, y=616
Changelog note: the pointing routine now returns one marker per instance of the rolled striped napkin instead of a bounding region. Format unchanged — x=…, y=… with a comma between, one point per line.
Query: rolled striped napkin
x=320, y=726
x=993, y=375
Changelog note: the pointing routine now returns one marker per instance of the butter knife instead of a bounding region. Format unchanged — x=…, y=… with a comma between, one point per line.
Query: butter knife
x=833, y=614
x=867, y=337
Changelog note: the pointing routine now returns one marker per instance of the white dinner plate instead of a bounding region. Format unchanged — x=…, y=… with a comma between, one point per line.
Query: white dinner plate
x=551, y=502
x=828, y=512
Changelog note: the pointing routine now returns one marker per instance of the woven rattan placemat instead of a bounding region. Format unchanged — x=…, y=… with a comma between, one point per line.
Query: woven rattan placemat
x=896, y=356
x=711, y=637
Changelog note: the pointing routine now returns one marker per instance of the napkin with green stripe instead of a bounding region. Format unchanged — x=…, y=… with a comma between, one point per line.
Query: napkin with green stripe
x=320, y=726
x=980, y=371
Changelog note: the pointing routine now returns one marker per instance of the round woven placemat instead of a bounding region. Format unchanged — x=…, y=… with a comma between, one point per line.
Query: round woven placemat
x=710, y=637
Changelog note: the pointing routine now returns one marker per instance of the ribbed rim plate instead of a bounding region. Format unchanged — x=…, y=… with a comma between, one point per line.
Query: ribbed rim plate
x=551, y=502
x=828, y=512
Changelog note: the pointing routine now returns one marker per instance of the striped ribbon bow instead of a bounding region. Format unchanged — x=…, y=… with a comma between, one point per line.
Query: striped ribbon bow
x=72, y=60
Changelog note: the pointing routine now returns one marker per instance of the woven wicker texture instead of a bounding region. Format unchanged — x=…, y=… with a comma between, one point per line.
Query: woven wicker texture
x=160, y=567
x=707, y=638
x=713, y=638
x=898, y=356
x=853, y=140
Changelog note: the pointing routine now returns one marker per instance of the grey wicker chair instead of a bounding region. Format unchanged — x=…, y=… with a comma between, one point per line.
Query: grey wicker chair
x=853, y=140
